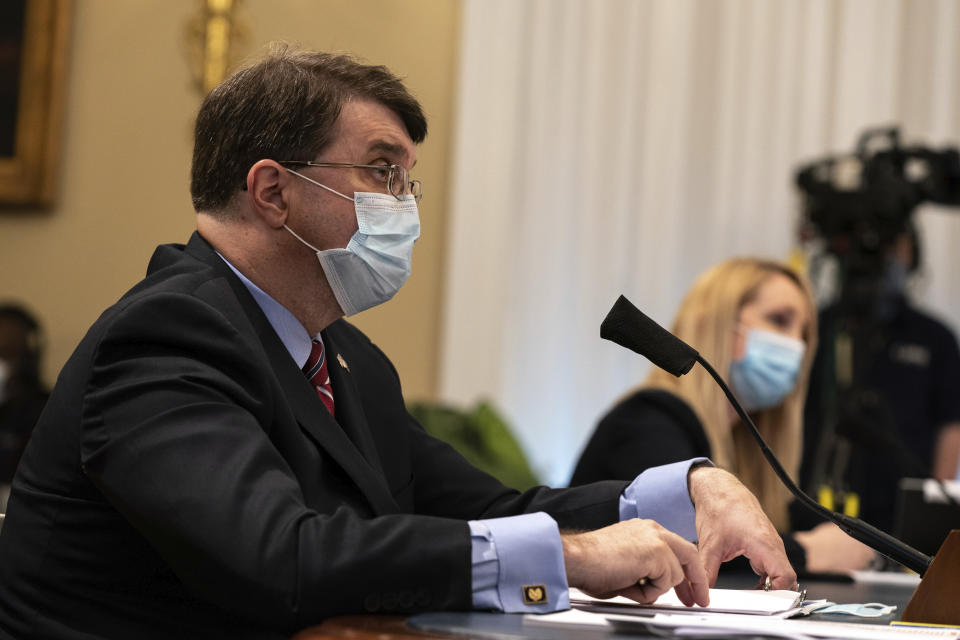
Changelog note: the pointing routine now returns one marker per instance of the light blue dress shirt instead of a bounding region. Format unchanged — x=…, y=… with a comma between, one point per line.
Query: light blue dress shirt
x=509, y=553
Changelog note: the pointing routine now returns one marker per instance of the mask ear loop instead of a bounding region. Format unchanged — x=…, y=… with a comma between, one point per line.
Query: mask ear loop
x=294, y=233
x=323, y=186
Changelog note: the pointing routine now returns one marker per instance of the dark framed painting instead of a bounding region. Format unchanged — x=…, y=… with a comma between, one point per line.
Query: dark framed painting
x=33, y=51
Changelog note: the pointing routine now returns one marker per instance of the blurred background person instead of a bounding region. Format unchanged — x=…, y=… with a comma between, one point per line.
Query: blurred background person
x=884, y=400
x=755, y=321
x=22, y=392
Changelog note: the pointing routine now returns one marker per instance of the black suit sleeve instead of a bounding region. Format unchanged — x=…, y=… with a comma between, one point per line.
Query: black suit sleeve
x=448, y=486
x=459, y=490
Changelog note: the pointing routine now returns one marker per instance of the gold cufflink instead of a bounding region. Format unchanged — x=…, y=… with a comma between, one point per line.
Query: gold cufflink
x=534, y=594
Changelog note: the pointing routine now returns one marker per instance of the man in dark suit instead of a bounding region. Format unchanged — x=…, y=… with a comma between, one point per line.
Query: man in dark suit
x=224, y=456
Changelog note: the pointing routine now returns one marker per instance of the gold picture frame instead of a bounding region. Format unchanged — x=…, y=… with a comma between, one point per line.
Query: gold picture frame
x=32, y=83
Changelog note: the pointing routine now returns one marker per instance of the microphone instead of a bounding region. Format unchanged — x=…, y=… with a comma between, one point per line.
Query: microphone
x=631, y=328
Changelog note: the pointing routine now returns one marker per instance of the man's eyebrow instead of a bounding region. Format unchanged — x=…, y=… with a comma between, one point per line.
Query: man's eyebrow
x=391, y=148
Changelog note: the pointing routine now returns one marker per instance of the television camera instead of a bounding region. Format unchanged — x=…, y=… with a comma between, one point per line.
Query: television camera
x=858, y=204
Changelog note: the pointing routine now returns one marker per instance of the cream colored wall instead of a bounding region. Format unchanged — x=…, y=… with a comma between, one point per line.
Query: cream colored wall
x=126, y=159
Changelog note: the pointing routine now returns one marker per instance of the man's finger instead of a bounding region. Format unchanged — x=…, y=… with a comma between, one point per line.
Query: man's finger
x=711, y=560
x=782, y=576
x=663, y=575
x=788, y=582
x=694, y=572
x=694, y=591
x=645, y=594
x=685, y=593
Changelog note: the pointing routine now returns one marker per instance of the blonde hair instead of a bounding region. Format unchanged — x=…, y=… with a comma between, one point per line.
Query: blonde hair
x=707, y=320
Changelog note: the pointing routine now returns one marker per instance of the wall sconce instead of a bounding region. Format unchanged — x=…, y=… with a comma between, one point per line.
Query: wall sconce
x=215, y=36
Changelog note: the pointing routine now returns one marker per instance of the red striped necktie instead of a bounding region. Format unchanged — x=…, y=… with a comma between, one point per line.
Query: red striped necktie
x=316, y=372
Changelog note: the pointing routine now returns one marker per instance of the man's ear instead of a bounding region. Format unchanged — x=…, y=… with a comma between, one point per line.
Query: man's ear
x=268, y=185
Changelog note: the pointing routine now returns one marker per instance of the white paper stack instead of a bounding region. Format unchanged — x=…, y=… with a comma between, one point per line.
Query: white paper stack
x=746, y=601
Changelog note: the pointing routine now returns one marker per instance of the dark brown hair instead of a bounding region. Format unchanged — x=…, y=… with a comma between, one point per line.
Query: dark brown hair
x=284, y=107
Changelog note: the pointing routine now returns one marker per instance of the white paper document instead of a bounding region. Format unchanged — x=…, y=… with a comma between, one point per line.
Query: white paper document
x=569, y=619
x=726, y=625
x=748, y=601
x=729, y=624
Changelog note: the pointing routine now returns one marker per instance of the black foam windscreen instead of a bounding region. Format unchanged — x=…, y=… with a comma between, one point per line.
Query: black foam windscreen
x=631, y=328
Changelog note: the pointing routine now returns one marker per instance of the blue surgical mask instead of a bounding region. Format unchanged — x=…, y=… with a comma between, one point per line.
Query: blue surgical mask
x=768, y=370
x=895, y=277
x=376, y=262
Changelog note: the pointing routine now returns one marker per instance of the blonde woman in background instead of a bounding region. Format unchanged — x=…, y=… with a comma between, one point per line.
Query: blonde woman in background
x=755, y=321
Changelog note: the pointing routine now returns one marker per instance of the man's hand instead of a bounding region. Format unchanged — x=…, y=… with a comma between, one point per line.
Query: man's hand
x=635, y=558
x=731, y=523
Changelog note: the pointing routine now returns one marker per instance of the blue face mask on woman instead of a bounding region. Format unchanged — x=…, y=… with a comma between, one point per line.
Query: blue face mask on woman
x=768, y=370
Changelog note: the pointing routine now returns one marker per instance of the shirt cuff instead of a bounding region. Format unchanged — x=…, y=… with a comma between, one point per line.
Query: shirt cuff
x=518, y=564
x=661, y=494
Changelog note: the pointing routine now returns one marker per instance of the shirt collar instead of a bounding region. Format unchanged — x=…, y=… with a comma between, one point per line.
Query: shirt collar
x=293, y=334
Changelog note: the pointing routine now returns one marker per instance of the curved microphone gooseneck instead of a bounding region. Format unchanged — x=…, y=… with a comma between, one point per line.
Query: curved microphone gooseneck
x=631, y=328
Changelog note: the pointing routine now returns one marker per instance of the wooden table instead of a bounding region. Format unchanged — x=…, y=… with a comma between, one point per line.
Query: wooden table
x=366, y=627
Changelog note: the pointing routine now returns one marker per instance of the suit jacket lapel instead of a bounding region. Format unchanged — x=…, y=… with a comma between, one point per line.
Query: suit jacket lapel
x=317, y=422
x=311, y=414
x=350, y=413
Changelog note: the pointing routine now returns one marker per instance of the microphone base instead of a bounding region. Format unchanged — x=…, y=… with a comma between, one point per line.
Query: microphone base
x=935, y=600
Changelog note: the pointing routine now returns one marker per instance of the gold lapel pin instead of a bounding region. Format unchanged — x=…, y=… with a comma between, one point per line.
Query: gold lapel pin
x=343, y=363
